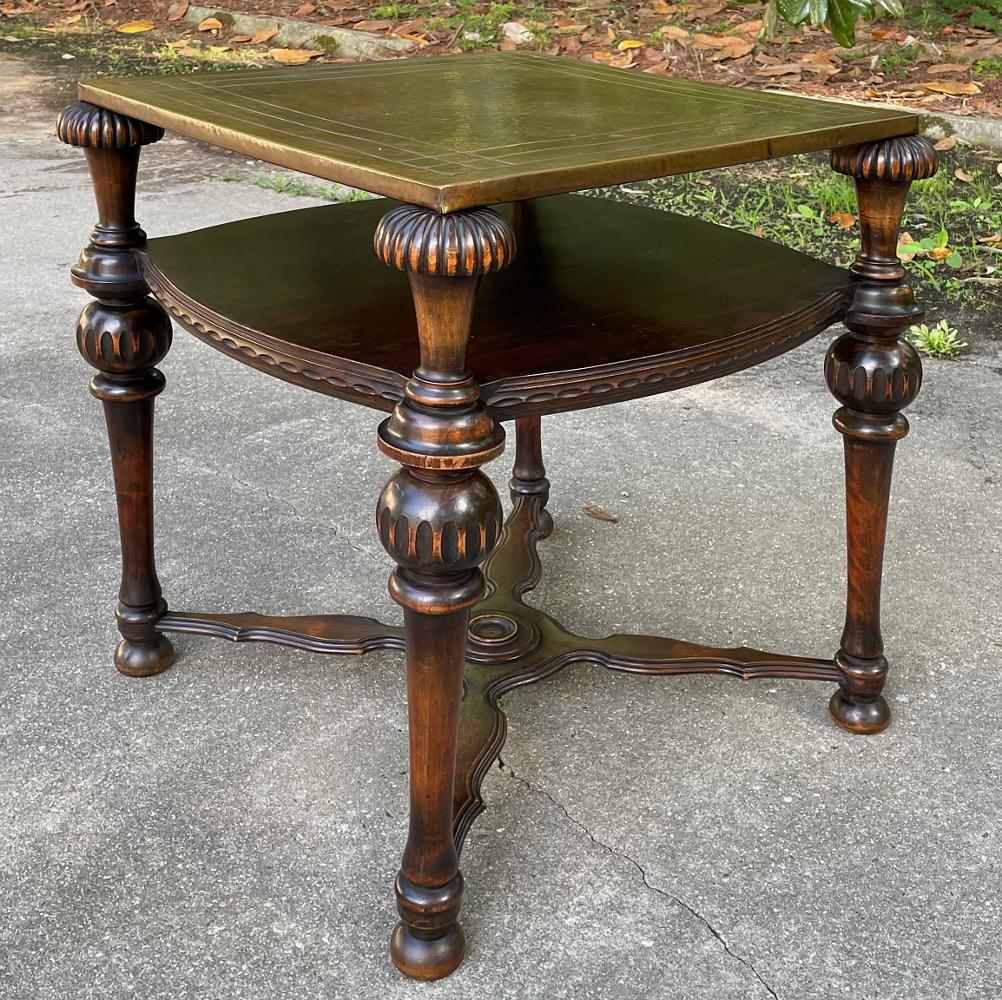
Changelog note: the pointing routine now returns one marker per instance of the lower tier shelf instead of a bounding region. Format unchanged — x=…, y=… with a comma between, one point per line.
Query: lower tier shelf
x=605, y=301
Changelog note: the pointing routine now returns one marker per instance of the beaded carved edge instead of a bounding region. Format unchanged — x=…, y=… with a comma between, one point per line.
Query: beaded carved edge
x=507, y=398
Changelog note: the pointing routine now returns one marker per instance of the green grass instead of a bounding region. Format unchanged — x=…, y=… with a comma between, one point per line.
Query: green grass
x=297, y=187
x=929, y=16
x=988, y=69
x=478, y=25
x=395, y=11
x=790, y=201
x=896, y=61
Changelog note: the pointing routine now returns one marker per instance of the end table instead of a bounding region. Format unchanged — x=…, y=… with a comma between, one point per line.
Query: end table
x=520, y=300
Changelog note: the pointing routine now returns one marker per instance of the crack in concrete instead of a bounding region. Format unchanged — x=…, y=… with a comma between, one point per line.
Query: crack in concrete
x=505, y=769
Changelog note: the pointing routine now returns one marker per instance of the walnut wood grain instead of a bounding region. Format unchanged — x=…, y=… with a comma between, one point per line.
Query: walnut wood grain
x=635, y=290
x=874, y=372
x=344, y=635
x=124, y=334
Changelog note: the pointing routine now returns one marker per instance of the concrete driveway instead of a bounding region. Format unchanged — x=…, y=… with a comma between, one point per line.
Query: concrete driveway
x=230, y=829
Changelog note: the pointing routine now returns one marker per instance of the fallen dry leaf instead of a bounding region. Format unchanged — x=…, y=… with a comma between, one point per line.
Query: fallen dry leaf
x=888, y=34
x=952, y=89
x=305, y=10
x=963, y=176
x=735, y=49
x=264, y=34
x=992, y=238
x=675, y=34
x=210, y=24
x=372, y=25
x=784, y=69
x=724, y=46
x=294, y=57
x=136, y=27
x=703, y=11
x=418, y=38
x=844, y=220
x=240, y=38
x=948, y=68
x=944, y=144
x=624, y=61
x=180, y=9
x=600, y=515
x=629, y=43
x=660, y=7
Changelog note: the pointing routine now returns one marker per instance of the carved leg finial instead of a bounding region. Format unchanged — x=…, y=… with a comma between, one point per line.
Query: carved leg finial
x=124, y=334
x=438, y=517
x=874, y=373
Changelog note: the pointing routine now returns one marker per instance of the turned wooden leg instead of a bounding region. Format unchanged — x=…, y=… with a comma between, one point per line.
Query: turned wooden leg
x=874, y=373
x=438, y=517
x=124, y=334
x=528, y=477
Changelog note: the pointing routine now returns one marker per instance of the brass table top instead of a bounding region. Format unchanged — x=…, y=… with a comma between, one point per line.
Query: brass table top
x=457, y=131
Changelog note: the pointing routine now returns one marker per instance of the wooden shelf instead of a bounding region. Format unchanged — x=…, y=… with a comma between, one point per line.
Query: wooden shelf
x=640, y=301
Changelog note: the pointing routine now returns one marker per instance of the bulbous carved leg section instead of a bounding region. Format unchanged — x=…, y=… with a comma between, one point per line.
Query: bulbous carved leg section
x=874, y=374
x=439, y=518
x=438, y=528
x=124, y=343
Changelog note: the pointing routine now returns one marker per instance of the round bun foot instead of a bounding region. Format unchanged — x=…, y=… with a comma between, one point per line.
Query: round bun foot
x=135, y=660
x=864, y=718
x=420, y=959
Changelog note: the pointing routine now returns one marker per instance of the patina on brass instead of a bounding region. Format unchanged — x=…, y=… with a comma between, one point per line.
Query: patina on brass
x=459, y=131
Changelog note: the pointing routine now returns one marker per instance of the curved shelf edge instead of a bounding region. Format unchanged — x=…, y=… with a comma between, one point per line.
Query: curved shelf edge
x=558, y=392
x=378, y=388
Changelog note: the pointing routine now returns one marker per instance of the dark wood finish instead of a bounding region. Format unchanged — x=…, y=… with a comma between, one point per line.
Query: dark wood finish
x=605, y=302
x=439, y=517
x=459, y=132
x=345, y=635
x=124, y=334
x=636, y=291
x=875, y=373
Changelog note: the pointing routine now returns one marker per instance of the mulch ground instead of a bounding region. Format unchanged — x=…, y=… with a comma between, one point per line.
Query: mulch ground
x=938, y=64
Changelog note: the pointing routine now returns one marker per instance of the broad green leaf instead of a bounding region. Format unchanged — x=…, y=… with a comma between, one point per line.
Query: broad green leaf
x=806, y=212
x=842, y=22
x=770, y=17
x=955, y=260
x=793, y=11
x=894, y=7
x=818, y=12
